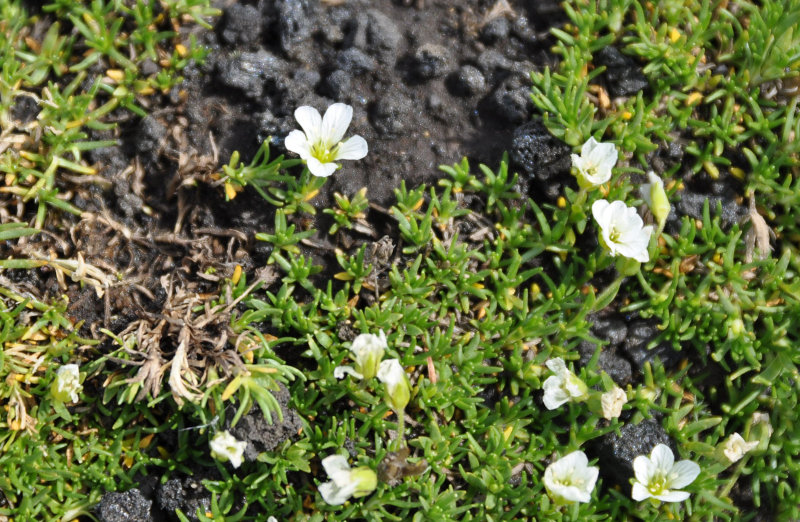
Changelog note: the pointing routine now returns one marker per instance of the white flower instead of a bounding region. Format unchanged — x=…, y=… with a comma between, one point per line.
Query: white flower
x=272, y=519
x=368, y=351
x=612, y=402
x=622, y=230
x=735, y=447
x=563, y=386
x=570, y=478
x=656, y=198
x=320, y=143
x=660, y=477
x=226, y=447
x=67, y=384
x=595, y=162
x=398, y=390
x=345, y=482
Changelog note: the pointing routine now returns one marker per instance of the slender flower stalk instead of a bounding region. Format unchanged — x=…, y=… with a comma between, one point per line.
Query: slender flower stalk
x=320, y=143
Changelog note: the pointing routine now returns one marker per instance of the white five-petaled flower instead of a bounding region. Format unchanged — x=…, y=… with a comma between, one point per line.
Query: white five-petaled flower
x=67, y=384
x=320, y=143
x=398, y=390
x=570, y=478
x=612, y=402
x=622, y=230
x=735, y=447
x=226, y=447
x=595, y=162
x=655, y=196
x=660, y=477
x=367, y=350
x=563, y=386
x=345, y=482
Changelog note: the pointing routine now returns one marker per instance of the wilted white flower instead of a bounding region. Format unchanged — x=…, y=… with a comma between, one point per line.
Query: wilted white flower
x=67, y=384
x=226, y=447
x=563, y=386
x=570, y=478
x=612, y=402
x=368, y=351
x=622, y=230
x=345, y=482
x=398, y=389
x=655, y=196
x=660, y=477
x=595, y=162
x=320, y=143
x=735, y=447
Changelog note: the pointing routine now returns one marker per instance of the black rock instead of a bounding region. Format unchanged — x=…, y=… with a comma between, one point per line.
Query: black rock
x=262, y=435
x=250, y=72
x=149, y=136
x=640, y=334
x=512, y=101
x=430, y=61
x=306, y=79
x=623, y=76
x=468, y=81
x=337, y=85
x=296, y=22
x=355, y=61
x=130, y=506
x=389, y=116
x=492, y=62
x=25, y=109
x=495, y=30
x=616, y=453
x=538, y=154
x=187, y=494
x=241, y=24
x=382, y=38
x=609, y=361
x=612, y=329
x=523, y=30
x=691, y=204
x=148, y=67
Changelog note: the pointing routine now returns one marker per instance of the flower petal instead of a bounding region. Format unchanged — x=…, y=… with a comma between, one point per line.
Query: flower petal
x=556, y=365
x=554, y=393
x=335, y=122
x=311, y=122
x=600, y=212
x=643, y=469
x=683, y=473
x=662, y=458
x=672, y=496
x=340, y=371
x=319, y=169
x=337, y=468
x=296, y=142
x=639, y=492
x=354, y=148
x=333, y=494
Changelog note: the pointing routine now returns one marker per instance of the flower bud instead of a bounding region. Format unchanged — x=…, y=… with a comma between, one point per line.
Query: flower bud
x=733, y=449
x=366, y=481
x=225, y=447
x=67, y=384
x=656, y=198
x=398, y=389
x=760, y=430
